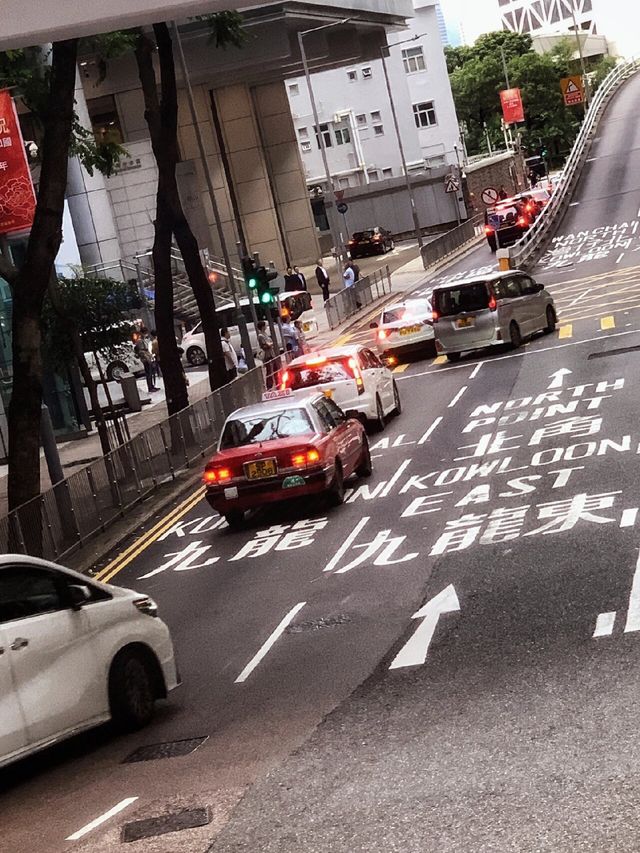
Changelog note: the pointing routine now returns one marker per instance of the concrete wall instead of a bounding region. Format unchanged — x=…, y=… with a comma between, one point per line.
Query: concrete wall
x=503, y=170
x=132, y=190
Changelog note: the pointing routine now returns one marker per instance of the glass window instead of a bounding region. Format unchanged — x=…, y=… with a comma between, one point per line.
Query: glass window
x=294, y=89
x=424, y=114
x=306, y=147
x=369, y=360
x=468, y=297
x=342, y=135
x=361, y=119
x=378, y=130
x=325, y=370
x=267, y=427
x=387, y=173
x=413, y=60
x=28, y=592
x=335, y=411
x=326, y=419
x=367, y=73
x=303, y=132
x=394, y=315
x=105, y=121
x=326, y=136
x=352, y=76
x=376, y=115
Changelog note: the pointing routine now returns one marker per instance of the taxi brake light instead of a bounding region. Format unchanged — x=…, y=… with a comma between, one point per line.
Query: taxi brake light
x=210, y=476
x=383, y=334
x=313, y=456
x=223, y=474
x=305, y=457
x=357, y=375
x=285, y=381
x=522, y=221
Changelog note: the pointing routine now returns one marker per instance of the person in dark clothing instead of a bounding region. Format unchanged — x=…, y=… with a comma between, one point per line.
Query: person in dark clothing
x=302, y=278
x=142, y=348
x=323, y=279
x=502, y=193
x=291, y=281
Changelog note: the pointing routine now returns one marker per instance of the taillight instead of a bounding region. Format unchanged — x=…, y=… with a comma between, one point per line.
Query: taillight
x=217, y=475
x=435, y=316
x=209, y=477
x=305, y=457
x=488, y=229
x=357, y=375
x=383, y=334
x=285, y=382
x=146, y=605
x=493, y=304
x=522, y=221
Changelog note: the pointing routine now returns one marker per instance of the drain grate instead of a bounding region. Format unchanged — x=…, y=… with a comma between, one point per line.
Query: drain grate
x=170, y=749
x=152, y=826
x=316, y=624
x=620, y=351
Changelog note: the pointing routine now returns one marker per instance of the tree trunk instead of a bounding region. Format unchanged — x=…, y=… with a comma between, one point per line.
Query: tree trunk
x=33, y=279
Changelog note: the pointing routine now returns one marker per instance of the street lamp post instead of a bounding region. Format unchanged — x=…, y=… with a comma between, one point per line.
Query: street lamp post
x=412, y=200
x=316, y=118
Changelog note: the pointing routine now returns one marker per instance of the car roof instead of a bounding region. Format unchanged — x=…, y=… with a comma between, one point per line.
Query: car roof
x=475, y=279
x=404, y=302
x=278, y=405
x=8, y=560
x=327, y=352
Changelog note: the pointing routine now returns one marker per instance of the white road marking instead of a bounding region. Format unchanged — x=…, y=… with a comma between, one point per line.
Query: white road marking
x=342, y=550
x=457, y=397
x=476, y=370
x=273, y=637
x=557, y=378
x=430, y=431
x=414, y=652
x=590, y=159
x=629, y=517
x=604, y=624
x=387, y=489
x=121, y=806
x=579, y=297
x=638, y=213
x=574, y=204
x=620, y=257
x=633, y=614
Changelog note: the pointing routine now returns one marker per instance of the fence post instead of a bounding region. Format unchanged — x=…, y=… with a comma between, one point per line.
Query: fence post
x=92, y=486
x=167, y=453
x=47, y=520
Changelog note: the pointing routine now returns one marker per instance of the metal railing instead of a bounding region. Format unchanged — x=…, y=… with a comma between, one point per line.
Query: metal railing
x=67, y=516
x=526, y=250
x=351, y=300
x=450, y=241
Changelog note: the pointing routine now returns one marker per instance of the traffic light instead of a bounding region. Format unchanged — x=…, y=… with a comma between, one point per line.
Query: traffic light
x=250, y=276
x=264, y=276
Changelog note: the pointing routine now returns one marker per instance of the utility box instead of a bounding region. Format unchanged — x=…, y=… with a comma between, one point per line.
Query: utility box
x=130, y=392
x=504, y=260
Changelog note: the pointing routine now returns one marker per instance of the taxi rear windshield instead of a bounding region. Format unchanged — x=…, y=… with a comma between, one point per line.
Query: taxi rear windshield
x=268, y=427
x=309, y=375
x=455, y=300
x=504, y=217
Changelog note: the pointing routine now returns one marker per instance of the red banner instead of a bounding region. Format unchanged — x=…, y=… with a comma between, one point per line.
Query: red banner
x=512, y=109
x=17, y=197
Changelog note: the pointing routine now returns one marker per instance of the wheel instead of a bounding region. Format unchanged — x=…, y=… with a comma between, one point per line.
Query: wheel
x=336, y=489
x=196, y=356
x=397, y=402
x=377, y=423
x=551, y=321
x=364, y=468
x=514, y=335
x=116, y=370
x=454, y=356
x=235, y=519
x=131, y=691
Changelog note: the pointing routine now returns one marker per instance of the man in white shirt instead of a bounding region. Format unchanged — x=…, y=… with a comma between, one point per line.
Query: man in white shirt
x=230, y=355
x=349, y=276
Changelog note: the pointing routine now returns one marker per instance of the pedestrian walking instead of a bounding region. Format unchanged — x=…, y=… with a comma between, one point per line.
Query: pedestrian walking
x=142, y=349
x=266, y=352
x=230, y=355
x=323, y=278
x=301, y=277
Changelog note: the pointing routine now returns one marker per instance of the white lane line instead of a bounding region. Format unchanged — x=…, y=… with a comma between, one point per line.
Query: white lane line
x=629, y=517
x=121, y=806
x=620, y=257
x=638, y=214
x=635, y=225
x=476, y=370
x=574, y=204
x=590, y=159
x=604, y=624
x=387, y=489
x=633, y=614
x=346, y=544
x=579, y=297
x=264, y=648
x=430, y=431
x=457, y=397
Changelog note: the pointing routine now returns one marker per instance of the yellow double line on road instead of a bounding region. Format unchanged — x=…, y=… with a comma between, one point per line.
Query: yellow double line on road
x=136, y=548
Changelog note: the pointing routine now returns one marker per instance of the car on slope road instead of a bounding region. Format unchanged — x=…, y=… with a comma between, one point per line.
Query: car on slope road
x=284, y=448
x=505, y=223
x=403, y=327
x=373, y=241
x=74, y=653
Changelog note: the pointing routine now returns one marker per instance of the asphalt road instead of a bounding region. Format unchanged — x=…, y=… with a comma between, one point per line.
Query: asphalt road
x=438, y=685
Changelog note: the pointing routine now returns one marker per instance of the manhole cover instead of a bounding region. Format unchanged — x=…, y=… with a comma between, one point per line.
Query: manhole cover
x=316, y=624
x=152, y=826
x=620, y=351
x=171, y=749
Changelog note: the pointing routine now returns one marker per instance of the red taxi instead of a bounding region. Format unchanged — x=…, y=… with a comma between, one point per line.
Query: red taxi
x=284, y=448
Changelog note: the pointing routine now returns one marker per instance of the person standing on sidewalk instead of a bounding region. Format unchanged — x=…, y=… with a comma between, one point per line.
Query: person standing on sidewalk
x=155, y=352
x=266, y=352
x=230, y=355
x=142, y=349
x=323, y=278
x=301, y=277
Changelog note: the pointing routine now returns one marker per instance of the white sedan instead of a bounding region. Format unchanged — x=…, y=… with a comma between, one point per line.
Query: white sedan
x=74, y=653
x=404, y=326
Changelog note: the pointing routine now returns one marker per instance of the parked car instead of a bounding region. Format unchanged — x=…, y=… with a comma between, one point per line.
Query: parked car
x=74, y=653
x=505, y=223
x=488, y=310
x=281, y=449
x=352, y=376
x=373, y=241
x=404, y=326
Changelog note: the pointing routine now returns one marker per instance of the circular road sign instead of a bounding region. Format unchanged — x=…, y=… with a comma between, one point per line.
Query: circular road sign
x=341, y=207
x=489, y=195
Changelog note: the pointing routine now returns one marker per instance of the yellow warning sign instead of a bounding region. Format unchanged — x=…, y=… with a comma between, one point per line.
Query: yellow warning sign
x=572, y=90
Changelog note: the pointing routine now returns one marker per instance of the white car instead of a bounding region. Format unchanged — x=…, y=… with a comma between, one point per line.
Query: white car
x=74, y=653
x=405, y=326
x=352, y=376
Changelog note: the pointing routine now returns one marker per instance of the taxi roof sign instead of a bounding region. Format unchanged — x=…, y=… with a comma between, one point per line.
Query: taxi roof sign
x=276, y=395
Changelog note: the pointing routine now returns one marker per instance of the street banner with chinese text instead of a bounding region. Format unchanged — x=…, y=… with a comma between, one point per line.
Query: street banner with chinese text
x=512, y=109
x=17, y=196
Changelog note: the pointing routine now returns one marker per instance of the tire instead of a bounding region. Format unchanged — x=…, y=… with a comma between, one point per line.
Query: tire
x=196, y=356
x=131, y=691
x=235, y=519
x=397, y=407
x=116, y=370
x=550, y=328
x=365, y=468
x=377, y=424
x=514, y=335
x=454, y=356
x=336, y=489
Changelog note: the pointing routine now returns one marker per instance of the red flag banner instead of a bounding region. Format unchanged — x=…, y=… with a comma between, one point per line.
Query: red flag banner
x=17, y=197
x=512, y=109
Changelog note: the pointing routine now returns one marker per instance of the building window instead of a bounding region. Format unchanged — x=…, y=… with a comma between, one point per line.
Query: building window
x=105, y=120
x=378, y=130
x=343, y=183
x=387, y=173
x=424, y=114
x=303, y=132
x=376, y=116
x=306, y=147
x=373, y=174
x=413, y=60
x=294, y=90
x=343, y=137
x=326, y=136
x=352, y=76
x=361, y=120
x=367, y=73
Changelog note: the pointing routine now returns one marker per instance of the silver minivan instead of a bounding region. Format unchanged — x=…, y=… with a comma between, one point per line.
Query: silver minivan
x=479, y=312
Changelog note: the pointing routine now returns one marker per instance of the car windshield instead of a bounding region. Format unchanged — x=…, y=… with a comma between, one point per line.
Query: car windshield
x=363, y=235
x=503, y=216
x=394, y=315
x=308, y=375
x=468, y=297
x=268, y=427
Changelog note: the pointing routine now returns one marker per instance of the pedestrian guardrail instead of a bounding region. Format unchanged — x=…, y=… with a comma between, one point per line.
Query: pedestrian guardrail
x=524, y=253
x=351, y=300
x=78, y=508
x=449, y=242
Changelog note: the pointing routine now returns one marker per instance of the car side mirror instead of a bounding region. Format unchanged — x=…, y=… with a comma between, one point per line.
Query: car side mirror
x=79, y=595
x=352, y=415
x=373, y=325
x=538, y=287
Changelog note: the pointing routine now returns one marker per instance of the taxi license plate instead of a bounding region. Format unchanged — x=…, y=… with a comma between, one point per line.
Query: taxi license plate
x=465, y=322
x=260, y=469
x=409, y=330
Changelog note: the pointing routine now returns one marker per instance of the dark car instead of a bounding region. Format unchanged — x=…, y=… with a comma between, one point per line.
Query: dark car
x=373, y=241
x=505, y=223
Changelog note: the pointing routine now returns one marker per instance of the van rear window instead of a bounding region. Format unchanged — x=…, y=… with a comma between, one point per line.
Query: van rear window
x=309, y=375
x=454, y=300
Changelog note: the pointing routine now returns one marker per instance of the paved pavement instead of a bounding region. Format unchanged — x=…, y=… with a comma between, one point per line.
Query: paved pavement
x=458, y=670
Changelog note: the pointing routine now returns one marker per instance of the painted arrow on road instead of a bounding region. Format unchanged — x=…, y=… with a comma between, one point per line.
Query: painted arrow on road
x=414, y=652
x=557, y=378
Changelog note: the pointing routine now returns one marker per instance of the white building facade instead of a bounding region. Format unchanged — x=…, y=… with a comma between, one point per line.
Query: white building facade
x=355, y=112
x=532, y=16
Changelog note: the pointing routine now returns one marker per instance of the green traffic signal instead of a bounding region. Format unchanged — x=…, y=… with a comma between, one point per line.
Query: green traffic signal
x=253, y=283
x=266, y=298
